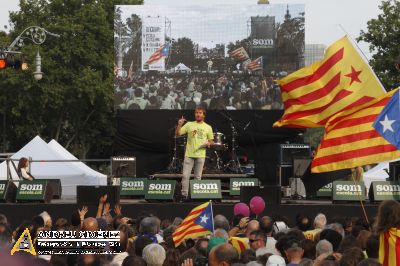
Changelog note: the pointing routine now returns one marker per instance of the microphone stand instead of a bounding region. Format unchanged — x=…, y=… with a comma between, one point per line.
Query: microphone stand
x=296, y=195
x=233, y=165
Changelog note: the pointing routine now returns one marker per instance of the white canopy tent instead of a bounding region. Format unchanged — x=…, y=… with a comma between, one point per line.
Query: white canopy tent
x=71, y=174
x=57, y=147
x=180, y=68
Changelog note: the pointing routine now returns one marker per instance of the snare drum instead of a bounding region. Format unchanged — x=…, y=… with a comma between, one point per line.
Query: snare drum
x=219, y=141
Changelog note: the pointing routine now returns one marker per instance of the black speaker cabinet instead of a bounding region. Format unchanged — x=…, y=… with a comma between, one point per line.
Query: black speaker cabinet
x=270, y=194
x=90, y=195
x=394, y=171
x=8, y=191
x=123, y=166
x=55, y=185
x=287, y=152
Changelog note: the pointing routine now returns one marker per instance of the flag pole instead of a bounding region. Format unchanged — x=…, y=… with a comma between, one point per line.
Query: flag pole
x=212, y=216
x=361, y=202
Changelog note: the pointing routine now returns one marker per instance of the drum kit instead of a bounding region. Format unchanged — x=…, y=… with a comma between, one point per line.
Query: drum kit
x=215, y=154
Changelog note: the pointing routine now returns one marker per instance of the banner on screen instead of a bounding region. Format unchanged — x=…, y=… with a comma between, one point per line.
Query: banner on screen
x=153, y=38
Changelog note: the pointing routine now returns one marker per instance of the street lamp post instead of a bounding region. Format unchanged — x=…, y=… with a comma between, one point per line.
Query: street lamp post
x=35, y=34
x=38, y=36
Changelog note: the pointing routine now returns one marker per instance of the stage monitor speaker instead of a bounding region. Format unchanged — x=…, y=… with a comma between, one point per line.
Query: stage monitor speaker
x=270, y=194
x=287, y=152
x=314, y=181
x=8, y=191
x=90, y=195
x=37, y=190
x=55, y=185
x=394, y=171
x=122, y=166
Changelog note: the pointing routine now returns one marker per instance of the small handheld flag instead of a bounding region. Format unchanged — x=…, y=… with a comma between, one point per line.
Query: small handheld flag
x=198, y=223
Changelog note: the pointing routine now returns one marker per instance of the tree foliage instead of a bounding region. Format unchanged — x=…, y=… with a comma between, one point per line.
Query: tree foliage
x=383, y=36
x=128, y=33
x=290, y=36
x=182, y=51
x=73, y=103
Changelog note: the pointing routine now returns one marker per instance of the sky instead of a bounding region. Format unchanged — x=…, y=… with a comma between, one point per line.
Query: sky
x=322, y=16
x=208, y=25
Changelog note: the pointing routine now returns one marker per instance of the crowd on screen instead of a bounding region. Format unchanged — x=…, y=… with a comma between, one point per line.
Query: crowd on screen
x=186, y=91
x=268, y=240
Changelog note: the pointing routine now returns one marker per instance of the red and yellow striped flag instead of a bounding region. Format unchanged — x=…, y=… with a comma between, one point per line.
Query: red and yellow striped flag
x=198, y=223
x=350, y=139
x=239, y=243
x=389, y=247
x=340, y=81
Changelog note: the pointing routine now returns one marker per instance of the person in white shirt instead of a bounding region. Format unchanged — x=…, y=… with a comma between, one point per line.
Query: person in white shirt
x=23, y=167
x=138, y=99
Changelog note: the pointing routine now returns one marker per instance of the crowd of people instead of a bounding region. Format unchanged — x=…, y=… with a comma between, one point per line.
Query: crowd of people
x=186, y=91
x=269, y=240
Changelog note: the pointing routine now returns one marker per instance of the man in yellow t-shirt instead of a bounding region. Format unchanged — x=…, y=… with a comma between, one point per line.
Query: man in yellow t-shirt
x=199, y=137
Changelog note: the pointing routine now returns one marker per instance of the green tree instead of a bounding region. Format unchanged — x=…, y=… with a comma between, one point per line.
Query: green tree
x=383, y=36
x=245, y=43
x=290, y=39
x=73, y=103
x=182, y=51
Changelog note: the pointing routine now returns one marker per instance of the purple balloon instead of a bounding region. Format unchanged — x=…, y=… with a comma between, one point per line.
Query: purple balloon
x=241, y=208
x=257, y=205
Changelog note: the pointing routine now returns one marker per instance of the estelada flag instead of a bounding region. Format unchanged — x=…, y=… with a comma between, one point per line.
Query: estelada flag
x=389, y=247
x=161, y=52
x=199, y=222
x=256, y=64
x=239, y=54
x=340, y=81
x=362, y=135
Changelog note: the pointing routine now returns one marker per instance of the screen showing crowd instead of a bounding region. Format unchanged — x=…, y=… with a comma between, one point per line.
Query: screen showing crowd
x=218, y=57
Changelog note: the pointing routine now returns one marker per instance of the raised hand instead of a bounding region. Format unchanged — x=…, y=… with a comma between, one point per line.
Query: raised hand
x=103, y=199
x=106, y=210
x=181, y=121
x=82, y=212
x=187, y=262
x=117, y=209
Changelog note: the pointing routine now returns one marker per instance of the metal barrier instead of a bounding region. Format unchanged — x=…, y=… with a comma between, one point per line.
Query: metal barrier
x=9, y=160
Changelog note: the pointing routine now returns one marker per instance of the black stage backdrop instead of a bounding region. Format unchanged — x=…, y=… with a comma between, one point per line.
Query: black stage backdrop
x=148, y=135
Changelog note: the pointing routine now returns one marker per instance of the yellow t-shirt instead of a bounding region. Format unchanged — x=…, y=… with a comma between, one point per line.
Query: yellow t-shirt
x=197, y=135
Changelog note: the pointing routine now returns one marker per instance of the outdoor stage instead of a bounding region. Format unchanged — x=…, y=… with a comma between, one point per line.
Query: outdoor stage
x=18, y=212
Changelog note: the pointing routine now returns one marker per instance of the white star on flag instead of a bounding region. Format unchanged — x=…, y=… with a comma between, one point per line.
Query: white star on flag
x=203, y=219
x=387, y=124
